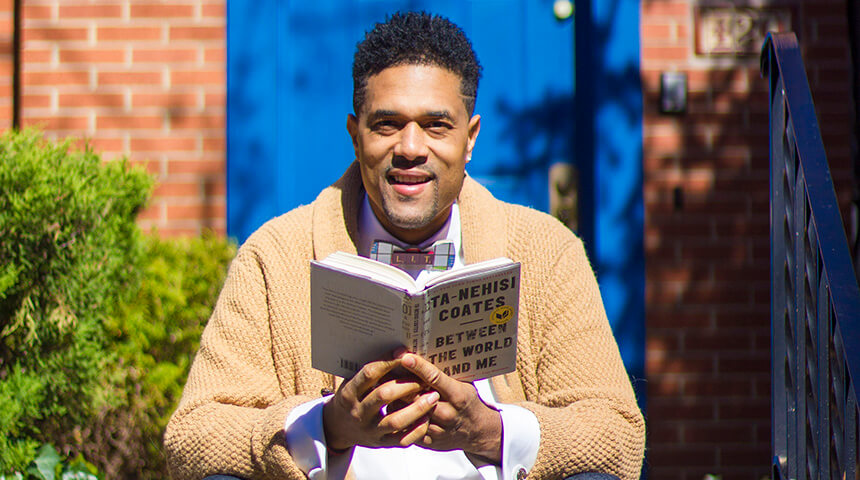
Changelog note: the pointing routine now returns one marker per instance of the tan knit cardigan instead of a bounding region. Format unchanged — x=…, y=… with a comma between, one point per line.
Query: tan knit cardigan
x=254, y=366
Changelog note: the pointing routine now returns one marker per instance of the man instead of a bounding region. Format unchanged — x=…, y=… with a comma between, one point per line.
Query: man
x=254, y=408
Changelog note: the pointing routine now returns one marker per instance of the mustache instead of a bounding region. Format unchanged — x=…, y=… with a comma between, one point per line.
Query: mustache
x=406, y=164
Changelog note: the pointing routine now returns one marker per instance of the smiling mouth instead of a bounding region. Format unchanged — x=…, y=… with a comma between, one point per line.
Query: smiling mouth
x=408, y=179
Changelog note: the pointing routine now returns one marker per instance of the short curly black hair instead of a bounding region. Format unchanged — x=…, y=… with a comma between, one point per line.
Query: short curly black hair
x=416, y=38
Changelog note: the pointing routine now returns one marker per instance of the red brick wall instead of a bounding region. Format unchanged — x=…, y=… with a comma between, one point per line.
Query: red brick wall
x=136, y=78
x=6, y=63
x=707, y=243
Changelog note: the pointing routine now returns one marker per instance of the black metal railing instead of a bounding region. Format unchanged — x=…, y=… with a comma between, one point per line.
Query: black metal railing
x=815, y=301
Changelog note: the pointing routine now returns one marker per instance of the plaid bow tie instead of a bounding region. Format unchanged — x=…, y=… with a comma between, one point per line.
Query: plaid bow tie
x=439, y=256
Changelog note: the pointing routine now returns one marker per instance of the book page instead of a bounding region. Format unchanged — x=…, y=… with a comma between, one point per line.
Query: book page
x=355, y=321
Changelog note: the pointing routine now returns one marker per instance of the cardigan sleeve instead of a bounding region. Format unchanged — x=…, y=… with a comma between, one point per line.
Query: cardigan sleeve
x=579, y=390
x=231, y=417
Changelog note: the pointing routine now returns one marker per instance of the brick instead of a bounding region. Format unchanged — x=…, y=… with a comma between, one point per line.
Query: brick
x=178, y=232
x=198, y=33
x=193, y=211
x=664, y=433
x=718, y=340
x=666, y=53
x=96, y=55
x=200, y=77
x=664, y=8
x=745, y=409
x=718, y=433
x=57, y=123
x=215, y=55
x=747, y=455
x=128, y=34
x=661, y=410
x=164, y=55
x=54, y=34
x=681, y=456
x=215, y=145
x=653, y=33
x=182, y=120
x=163, y=144
x=674, y=363
x=128, y=122
x=756, y=361
x=155, y=10
x=68, y=100
x=199, y=167
x=35, y=55
x=129, y=78
x=154, y=211
x=35, y=101
x=107, y=144
x=217, y=99
x=90, y=11
x=164, y=100
x=217, y=9
x=35, y=12
x=177, y=189
x=719, y=386
x=215, y=188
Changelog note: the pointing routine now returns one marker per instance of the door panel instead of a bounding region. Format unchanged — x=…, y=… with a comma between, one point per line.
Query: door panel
x=290, y=90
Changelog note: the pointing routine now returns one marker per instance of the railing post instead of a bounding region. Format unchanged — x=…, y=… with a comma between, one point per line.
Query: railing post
x=815, y=301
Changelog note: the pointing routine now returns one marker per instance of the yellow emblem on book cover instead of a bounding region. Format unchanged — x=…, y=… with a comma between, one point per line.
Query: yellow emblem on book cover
x=502, y=314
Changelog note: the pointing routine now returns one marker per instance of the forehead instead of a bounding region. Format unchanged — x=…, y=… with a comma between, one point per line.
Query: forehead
x=409, y=88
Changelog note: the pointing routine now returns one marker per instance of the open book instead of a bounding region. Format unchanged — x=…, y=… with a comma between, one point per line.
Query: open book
x=463, y=320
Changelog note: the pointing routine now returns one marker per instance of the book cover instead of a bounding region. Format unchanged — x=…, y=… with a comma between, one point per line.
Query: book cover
x=464, y=320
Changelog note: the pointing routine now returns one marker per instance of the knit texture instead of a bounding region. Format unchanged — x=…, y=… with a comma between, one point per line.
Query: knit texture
x=253, y=366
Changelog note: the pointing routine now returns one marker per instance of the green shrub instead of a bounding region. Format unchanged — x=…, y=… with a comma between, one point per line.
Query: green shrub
x=69, y=248
x=98, y=323
x=155, y=336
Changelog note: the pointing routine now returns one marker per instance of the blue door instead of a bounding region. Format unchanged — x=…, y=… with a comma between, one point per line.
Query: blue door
x=290, y=90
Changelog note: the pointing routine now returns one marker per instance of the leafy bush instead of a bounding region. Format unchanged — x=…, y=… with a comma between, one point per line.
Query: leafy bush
x=98, y=323
x=156, y=335
x=68, y=250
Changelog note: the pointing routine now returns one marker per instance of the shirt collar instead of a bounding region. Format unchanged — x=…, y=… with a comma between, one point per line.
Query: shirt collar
x=370, y=229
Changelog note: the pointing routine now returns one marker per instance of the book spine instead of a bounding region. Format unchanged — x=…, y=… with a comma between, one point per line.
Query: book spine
x=425, y=323
x=412, y=323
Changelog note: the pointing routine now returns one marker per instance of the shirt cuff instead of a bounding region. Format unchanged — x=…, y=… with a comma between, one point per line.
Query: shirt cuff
x=305, y=439
x=520, y=441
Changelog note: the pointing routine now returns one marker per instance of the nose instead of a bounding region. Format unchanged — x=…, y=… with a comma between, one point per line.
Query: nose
x=411, y=144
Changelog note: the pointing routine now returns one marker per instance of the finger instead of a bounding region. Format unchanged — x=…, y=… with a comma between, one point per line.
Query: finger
x=444, y=415
x=414, y=433
x=429, y=374
x=434, y=436
x=388, y=392
x=367, y=378
x=405, y=417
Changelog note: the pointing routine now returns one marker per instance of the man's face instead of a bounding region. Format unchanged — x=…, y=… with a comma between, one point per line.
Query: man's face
x=412, y=139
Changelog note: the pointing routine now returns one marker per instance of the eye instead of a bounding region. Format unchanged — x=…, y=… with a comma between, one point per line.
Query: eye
x=438, y=126
x=385, y=126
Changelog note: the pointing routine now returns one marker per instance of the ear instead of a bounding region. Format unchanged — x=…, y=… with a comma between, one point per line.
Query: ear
x=474, y=129
x=352, y=128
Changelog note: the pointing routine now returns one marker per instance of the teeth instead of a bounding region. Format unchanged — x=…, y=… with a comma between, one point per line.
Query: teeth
x=409, y=179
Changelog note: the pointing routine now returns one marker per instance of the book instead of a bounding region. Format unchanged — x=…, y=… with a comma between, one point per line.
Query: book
x=463, y=320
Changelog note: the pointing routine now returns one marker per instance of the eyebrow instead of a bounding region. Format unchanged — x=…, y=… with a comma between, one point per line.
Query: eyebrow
x=381, y=113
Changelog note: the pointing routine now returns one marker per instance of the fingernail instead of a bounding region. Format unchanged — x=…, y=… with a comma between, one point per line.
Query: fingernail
x=433, y=397
x=408, y=361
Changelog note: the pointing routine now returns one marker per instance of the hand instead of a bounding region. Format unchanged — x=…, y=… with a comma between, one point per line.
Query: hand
x=461, y=420
x=354, y=415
